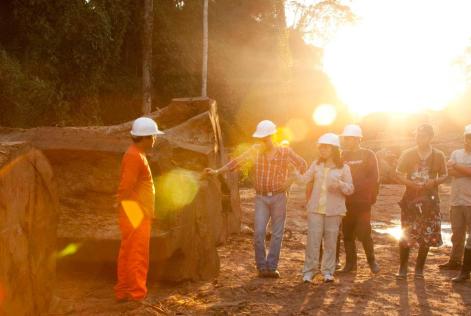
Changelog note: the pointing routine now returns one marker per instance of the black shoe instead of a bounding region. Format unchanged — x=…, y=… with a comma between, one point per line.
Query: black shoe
x=404, y=261
x=274, y=274
x=450, y=265
x=465, y=269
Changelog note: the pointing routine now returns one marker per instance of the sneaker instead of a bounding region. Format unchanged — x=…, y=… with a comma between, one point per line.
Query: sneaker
x=275, y=274
x=328, y=278
x=450, y=265
x=307, y=278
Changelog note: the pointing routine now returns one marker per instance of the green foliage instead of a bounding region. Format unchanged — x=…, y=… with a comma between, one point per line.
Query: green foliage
x=79, y=61
x=26, y=100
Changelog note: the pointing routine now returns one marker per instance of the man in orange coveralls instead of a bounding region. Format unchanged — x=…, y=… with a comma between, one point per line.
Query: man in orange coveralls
x=136, y=209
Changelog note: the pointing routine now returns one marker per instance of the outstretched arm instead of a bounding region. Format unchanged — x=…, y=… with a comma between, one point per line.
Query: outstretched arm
x=308, y=176
x=234, y=163
x=297, y=161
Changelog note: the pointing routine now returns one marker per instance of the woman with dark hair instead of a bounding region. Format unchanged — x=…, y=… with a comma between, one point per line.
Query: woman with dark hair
x=332, y=182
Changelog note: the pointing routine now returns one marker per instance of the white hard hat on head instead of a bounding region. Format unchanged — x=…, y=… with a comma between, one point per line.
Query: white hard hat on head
x=145, y=126
x=265, y=128
x=352, y=130
x=329, y=139
x=467, y=129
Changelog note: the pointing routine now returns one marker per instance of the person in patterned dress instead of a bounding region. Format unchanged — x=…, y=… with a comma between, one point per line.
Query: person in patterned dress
x=421, y=169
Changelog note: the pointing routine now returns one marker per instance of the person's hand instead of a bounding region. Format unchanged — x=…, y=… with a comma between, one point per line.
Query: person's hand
x=450, y=163
x=211, y=172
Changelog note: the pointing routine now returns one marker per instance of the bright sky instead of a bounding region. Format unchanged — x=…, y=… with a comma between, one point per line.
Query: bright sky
x=400, y=56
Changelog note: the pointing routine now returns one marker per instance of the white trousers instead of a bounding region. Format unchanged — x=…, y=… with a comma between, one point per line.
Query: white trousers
x=321, y=227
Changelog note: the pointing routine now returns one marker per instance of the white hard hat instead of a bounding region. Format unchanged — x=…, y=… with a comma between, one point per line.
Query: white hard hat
x=145, y=126
x=467, y=129
x=265, y=128
x=329, y=139
x=352, y=130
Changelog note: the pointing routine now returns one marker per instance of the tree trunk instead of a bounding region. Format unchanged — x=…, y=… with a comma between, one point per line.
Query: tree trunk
x=204, y=81
x=147, y=57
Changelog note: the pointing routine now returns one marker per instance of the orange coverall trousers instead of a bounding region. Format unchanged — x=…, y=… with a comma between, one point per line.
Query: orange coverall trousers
x=133, y=259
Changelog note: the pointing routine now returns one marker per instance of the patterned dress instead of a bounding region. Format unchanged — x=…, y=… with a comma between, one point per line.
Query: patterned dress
x=420, y=209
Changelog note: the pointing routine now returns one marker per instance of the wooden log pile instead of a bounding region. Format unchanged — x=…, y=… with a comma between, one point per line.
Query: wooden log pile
x=86, y=162
x=28, y=224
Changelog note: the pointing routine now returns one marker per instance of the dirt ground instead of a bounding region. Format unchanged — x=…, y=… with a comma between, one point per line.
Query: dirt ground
x=238, y=290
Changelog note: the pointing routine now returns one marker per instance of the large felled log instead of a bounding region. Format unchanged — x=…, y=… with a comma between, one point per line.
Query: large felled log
x=28, y=222
x=86, y=162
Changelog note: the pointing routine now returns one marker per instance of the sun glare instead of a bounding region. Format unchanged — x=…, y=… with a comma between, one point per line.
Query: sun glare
x=401, y=56
x=324, y=114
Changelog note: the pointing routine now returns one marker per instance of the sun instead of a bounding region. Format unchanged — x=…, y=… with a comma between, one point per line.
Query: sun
x=396, y=60
x=324, y=114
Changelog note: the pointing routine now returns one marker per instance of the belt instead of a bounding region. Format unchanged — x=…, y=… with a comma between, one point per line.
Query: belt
x=270, y=193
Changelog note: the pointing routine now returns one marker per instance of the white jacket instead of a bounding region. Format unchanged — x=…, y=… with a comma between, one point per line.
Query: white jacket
x=335, y=200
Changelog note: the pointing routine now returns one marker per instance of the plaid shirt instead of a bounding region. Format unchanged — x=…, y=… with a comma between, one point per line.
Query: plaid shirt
x=270, y=175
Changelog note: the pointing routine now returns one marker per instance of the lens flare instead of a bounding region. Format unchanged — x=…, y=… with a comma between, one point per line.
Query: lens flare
x=324, y=114
x=284, y=143
x=133, y=212
x=283, y=133
x=298, y=128
x=69, y=250
x=176, y=189
x=395, y=232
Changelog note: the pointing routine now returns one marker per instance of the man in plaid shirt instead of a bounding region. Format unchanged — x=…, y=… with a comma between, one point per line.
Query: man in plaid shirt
x=272, y=163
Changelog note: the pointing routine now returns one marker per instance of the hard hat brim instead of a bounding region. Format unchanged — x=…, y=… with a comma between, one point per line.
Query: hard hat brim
x=260, y=135
x=143, y=135
x=351, y=135
x=325, y=143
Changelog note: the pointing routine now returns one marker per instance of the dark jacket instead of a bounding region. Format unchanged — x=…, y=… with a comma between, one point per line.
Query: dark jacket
x=364, y=168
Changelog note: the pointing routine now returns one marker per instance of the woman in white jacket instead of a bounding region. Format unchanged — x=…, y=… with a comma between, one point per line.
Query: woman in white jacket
x=326, y=206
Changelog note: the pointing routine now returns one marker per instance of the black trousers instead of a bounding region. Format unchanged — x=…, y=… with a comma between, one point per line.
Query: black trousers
x=357, y=223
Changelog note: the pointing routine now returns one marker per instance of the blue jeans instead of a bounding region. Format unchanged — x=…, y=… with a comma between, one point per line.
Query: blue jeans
x=266, y=208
